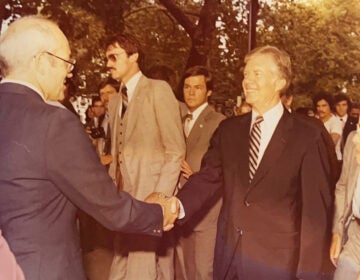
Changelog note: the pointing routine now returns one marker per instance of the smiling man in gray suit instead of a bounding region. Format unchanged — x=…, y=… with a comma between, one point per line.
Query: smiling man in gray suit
x=147, y=148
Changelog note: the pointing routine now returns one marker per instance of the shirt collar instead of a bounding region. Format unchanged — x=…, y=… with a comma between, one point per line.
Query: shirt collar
x=131, y=84
x=343, y=118
x=196, y=113
x=26, y=84
x=270, y=115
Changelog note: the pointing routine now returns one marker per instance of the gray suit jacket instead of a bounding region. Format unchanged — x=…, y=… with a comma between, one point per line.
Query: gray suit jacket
x=148, y=142
x=197, y=143
x=345, y=188
x=48, y=167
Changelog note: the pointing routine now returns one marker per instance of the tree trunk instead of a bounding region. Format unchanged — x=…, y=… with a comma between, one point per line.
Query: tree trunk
x=201, y=34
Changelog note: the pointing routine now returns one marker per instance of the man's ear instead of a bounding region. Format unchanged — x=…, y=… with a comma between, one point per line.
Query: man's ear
x=134, y=57
x=41, y=64
x=280, y=84
x=209, y=92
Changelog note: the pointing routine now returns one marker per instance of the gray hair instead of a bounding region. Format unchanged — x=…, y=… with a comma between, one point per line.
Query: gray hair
x=23, y=40
x=282, y=61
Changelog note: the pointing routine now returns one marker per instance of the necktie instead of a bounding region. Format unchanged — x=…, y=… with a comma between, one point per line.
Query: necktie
x=124, y=100
x=188, y=119
x=255, y=137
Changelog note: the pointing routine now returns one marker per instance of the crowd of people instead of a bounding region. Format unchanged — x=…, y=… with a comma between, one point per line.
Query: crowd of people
x=176, y=189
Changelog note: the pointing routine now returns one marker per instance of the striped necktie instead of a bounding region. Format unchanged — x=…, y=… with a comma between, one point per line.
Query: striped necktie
x=124, y=100
x=255, y=137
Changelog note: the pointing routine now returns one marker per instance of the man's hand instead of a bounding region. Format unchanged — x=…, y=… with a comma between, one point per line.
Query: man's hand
x=186, y=169
x=335, y=248
x=170, y=207
x=106, y=159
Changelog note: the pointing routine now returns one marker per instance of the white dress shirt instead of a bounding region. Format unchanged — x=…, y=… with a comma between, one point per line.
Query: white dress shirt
x=334, y=125
x=342, y=119
x=130, y=86
x=267, y=126
x=195, y=114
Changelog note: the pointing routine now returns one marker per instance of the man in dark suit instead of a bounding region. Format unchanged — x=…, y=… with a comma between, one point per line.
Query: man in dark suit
x=342, y=108
x=48, y=164
x=273, y=170
x=196, y=242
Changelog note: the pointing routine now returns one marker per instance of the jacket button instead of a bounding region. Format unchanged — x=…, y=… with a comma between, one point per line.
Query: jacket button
x=247, y=203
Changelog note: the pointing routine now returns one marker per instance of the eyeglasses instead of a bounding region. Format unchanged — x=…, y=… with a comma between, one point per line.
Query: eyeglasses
x=70, y=63
x=113, y=57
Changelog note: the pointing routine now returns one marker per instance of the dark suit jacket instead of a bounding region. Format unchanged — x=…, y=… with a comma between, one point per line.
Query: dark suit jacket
x=350, y=125
x=48, y=166
x=280, y=219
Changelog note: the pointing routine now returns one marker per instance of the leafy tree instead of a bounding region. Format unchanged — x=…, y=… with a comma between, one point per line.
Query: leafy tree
x=322, y=39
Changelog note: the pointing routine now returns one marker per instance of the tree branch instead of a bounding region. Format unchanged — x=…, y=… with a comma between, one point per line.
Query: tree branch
x=180, y=16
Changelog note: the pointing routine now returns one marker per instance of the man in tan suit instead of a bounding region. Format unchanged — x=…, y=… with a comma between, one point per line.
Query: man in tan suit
x=345, y=246
x=196, y=242
x=147, y=147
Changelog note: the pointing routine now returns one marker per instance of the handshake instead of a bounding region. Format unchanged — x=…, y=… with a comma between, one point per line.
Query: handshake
x=169, y=205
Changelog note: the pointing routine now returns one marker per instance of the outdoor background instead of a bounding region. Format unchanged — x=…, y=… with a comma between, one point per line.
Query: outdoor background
x=321, y=36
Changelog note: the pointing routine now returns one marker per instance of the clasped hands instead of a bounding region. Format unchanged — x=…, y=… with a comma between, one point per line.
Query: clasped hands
x=169, y=205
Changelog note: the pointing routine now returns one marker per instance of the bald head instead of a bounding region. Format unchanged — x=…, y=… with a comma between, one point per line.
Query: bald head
x=24, y=39
x=34, y=50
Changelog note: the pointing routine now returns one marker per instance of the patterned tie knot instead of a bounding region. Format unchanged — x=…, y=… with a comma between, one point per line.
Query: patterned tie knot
x=124, y=90
x=188, y=116
x=259, y=119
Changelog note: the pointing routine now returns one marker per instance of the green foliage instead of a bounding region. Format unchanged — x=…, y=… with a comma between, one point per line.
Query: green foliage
x=322, y=37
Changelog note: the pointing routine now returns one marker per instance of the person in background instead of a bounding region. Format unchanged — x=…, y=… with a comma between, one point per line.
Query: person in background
x=242, y=109
x=323, y=103
x=306, y=111
x=107, y=90
x=69, y=93
x=342, y=108
x=355, y=111
x=287, y=100
x=345, y=245
x=97, y=115
x=196, y=240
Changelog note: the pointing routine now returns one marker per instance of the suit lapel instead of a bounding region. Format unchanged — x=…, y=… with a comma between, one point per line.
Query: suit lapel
x=199, y=124
x=275, y=147
x=134, y=106
x=114, y=107
x=242, y=148
x=20, y=89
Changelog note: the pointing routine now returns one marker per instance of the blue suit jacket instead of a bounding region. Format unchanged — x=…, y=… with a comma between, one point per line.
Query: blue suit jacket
x=48, y=167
